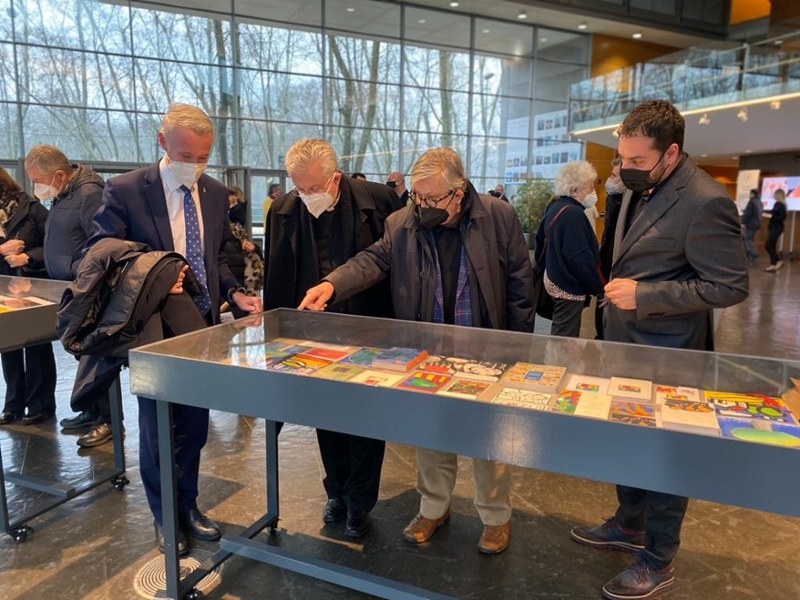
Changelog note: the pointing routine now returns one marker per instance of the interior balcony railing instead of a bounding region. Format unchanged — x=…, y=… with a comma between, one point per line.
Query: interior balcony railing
x=702, y=77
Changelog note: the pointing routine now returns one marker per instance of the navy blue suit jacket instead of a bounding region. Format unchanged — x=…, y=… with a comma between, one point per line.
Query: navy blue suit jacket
x=135, y=209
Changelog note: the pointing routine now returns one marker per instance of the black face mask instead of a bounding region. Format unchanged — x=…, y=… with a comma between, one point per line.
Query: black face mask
x=639, y=180
x=432, y=217
x=392, y=184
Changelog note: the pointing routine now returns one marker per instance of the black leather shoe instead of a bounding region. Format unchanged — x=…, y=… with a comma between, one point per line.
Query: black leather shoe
x=183, y=543
x=97, y=436
x=334, y=511
x=84, y=419
x=36, y=418
x=9, y=417
x=200, y=526
x=358, y=523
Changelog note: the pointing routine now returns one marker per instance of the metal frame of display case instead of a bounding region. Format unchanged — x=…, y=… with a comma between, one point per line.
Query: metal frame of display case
x=27, y=327
x=200, y=369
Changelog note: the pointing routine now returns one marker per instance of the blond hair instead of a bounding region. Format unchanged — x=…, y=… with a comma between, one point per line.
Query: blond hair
x=47, y=159
x=440, y=161
x=188, y=116
x=304, y=152
x=780, y=195
x=574, y=174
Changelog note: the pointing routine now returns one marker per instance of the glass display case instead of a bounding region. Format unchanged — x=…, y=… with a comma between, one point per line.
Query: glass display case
x=28, y=310
x=238, y=367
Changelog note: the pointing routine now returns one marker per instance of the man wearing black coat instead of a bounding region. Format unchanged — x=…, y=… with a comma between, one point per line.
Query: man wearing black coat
x=325, y=220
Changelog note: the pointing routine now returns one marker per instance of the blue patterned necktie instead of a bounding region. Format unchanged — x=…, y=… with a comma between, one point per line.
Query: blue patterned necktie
x=194, y=249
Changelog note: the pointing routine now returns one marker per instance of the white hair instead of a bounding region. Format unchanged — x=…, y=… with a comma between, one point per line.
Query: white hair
x=574, y=174
x=305, y=151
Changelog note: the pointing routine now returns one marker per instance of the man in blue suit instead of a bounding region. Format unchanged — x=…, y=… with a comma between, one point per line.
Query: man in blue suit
x=172, y=205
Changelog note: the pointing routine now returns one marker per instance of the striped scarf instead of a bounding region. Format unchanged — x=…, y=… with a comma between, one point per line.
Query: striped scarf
x=463, y=309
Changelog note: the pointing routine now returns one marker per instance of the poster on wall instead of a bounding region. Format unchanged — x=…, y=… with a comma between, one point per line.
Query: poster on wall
x=746, y=180
x=552, y=145
x=516, y=170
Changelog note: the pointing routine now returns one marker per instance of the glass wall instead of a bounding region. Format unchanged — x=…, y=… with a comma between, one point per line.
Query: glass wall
x=382, y=81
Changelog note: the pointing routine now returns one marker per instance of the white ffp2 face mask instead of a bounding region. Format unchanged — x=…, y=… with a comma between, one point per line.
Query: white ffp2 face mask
x=187, y=173
x=589, y=200
x=318, y=202
x=615, y=188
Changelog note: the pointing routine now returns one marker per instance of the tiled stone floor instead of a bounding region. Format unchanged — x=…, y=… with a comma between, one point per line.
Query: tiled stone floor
x=93, y=546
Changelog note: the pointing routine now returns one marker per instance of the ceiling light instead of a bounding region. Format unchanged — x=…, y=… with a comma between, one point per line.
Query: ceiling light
x=637, y=35
x=734, y=158
x=522, y=15
x=742, y=115
x=351, y=9
x=748, y=151
x=704, y=120
x=543, y=40
x=582, y=26
x=703, y=155
x=778, y=42
x=421, y=21
x=486, y=31
x=454, y=4
x=775, y=105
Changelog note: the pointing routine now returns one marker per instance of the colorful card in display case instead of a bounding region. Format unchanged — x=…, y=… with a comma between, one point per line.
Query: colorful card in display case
x=362, y=357
x=593, y=405
x=681, y=413
x=749, y=406
x=332, y=353
x=450, y=365
x=377, y=378
x=566, y=401
x=762, y=432
x=301, y=364
x=275, y=352
x=586, y=383
x=531, y=376
x=399, y=359
x=663, y=393
x=420, y=381
x=521, y=398
x=623, y=388
x=465, y=387
x=633, y=413
x=339, y=372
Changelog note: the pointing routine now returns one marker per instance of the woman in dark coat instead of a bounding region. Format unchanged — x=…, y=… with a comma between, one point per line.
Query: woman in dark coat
x=774, y=231
x=30, y=374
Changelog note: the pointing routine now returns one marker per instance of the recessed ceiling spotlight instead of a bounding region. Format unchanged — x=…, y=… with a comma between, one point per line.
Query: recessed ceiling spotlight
x=454, y=4
x=421, y=21
x=778, y=42
x=734, y=158
x=351, y=9
x=742, y=115
x=486, y=31
x=582, y=26
x=775, y=105
x=543, y=40
x=637, y=35
x=748, y=151
x=522, y=15
x=704, y=120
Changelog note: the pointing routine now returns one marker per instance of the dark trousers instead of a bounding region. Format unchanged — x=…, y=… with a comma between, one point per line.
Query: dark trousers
x=567, y=317
x=748, y=235
x=771, y=246
x=659, y=515
x=352, y=468
x=30, y=376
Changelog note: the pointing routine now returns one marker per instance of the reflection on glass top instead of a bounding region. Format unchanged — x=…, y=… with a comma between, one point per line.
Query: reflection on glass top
x=25, y=292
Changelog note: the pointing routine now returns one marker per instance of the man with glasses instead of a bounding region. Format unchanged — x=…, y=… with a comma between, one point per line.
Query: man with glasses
x=326, y=219
x=453, y=257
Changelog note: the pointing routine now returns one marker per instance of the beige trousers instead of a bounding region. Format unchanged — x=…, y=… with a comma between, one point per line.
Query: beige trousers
x=436, y=479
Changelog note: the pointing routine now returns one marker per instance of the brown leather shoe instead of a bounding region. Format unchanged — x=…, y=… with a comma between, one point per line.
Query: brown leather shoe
x=495, y=538
x=421, y=529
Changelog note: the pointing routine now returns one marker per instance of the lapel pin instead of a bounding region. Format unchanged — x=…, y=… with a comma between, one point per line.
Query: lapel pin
x=204, y=190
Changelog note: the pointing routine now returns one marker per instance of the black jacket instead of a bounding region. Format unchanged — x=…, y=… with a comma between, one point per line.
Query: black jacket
x=28, y=224
x=70, y=223
x=289, y=271
x=119, y=288
x=751, y=217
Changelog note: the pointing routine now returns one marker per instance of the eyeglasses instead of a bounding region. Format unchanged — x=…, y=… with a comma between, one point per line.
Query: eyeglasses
x=296, y=191
x=417, y=199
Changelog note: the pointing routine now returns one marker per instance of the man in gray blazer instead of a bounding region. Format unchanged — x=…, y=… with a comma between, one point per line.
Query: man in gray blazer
x=677, y=255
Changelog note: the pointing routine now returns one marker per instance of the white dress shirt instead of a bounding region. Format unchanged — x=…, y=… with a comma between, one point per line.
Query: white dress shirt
x=177, y=222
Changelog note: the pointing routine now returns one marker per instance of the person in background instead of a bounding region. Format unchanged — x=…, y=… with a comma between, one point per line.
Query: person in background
x=615, y=188
x=173, y=205
x=359, y=176
x=500, y=192
x=751, y=222
x=76, y=192
x=678, y=254
x=242, y=254
x=570, y=255
x=455, y=257
x=397, y=182
x=326, y=219
x=30, y=373
x=775, y=230
x=275, y=192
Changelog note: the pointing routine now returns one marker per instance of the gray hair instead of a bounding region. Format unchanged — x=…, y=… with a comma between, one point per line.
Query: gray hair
x=47, y=159
x=574, y=174
x=440, y=161
x=304, y=152
x=188, y=116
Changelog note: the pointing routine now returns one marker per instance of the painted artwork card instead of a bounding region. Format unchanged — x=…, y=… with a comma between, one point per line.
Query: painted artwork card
x=537, y=377
x=633, y=413
x=760, y=432
x=586, y=383
x=399, y=359
x=362, y=357
x=451, y=365
x=631, y=389
x=377, y=378
x=465, y=387
x=300, y=364
x=749, y=406
x=420, y=381
x=339, y=372
x=663, y=393
x=329, y=353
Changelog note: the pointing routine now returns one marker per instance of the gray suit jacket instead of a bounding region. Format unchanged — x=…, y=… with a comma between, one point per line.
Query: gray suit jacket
x=685, y=251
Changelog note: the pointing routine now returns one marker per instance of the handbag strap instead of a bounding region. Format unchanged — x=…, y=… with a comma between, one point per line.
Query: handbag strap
x=547, y=232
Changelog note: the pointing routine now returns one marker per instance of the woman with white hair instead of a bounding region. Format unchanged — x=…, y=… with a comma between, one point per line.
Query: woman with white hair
x=566, y=248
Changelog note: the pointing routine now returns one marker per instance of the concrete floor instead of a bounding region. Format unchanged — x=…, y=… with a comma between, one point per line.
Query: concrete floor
x=93, y=546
